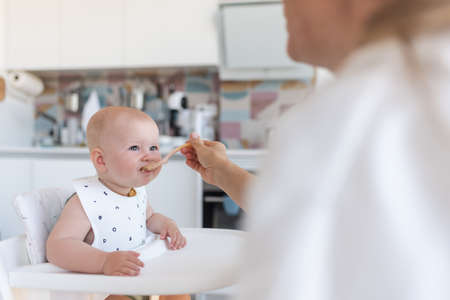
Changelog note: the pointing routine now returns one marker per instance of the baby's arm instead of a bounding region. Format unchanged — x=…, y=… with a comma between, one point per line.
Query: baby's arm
x=165, y=227
x=66, y=249
x=65, y=246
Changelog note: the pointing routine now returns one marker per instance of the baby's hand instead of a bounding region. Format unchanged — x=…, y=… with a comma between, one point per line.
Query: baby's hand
x=122, y=263
x=177, y=240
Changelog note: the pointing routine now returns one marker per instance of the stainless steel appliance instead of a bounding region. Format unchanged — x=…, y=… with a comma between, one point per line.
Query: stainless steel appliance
x=219, y=211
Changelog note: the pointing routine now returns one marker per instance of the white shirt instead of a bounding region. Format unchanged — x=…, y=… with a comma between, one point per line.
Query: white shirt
x=354, y=200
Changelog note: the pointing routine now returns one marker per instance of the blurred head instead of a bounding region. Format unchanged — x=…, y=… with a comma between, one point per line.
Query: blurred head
x=121, y=141
x=325, y=32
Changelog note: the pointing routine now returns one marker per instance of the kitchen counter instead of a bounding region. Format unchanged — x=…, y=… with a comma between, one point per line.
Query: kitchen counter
x=25, y=169
x=246, y=158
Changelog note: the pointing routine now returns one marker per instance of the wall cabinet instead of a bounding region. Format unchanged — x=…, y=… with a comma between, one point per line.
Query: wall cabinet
x=253, y=43
x=176, y=193
x=32, y=34
x=47, y=173
x=171, y=32
x=14, y=179
x=91, y=33
x=67, y=34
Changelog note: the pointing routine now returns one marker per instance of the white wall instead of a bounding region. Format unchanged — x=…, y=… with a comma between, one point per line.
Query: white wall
x=16, y=116
x=16, y=123
x=2, y=33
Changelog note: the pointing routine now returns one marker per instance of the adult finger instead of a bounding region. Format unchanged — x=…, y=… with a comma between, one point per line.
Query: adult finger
x=194, y=164
x=189, y=155
x=196, y=142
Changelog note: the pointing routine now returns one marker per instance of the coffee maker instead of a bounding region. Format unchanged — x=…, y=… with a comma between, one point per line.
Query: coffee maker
x=176, y=102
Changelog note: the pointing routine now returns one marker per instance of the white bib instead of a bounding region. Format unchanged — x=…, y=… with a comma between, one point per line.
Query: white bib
x=118, y=222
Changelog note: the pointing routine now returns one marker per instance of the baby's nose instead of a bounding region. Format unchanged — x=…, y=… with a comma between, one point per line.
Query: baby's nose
x=151, y=156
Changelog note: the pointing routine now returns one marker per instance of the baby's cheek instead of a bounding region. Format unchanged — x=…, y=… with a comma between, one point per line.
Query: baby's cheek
x=156, y=172
x=156, y=155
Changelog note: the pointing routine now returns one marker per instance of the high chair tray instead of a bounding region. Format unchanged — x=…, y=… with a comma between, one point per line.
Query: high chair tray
x=209, y=261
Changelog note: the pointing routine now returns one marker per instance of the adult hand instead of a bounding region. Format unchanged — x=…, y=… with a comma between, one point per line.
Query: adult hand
x=211, y=161
x=205, y=157
x=122, y=263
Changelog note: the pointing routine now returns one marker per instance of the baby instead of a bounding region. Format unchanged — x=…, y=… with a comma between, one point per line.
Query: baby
x=109, y=214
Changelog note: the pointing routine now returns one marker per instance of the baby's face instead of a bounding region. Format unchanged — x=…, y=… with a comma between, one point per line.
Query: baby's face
x=129, y=145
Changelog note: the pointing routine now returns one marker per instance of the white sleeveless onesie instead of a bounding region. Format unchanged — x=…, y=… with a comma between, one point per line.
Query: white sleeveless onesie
x=118, y=222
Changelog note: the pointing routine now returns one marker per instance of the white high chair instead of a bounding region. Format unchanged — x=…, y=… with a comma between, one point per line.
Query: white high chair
x=13, y=254
x=210, y=261
x=39, y=210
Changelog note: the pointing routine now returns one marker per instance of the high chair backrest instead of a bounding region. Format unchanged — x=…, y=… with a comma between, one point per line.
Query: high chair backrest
x=13, y=254
x=39, y=210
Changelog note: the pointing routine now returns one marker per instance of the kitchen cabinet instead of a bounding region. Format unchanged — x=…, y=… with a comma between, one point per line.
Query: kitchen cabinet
x=91, y=33
x=59, y=172
x=14, y=179
x=32, y=34
x=255, y=26
x=171, y=33
x=101, y=34
x=173, y=193
x=176, y=193
x=253, y=41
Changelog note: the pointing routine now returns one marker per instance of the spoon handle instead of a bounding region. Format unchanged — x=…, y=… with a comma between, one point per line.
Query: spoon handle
x=166, y=159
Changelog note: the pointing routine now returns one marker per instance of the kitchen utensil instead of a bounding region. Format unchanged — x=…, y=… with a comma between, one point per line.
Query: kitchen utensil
x=204, y=120
x=2, y=89
x=155, y=164
x=72, y=102
x=137, y=99
x=25, y=82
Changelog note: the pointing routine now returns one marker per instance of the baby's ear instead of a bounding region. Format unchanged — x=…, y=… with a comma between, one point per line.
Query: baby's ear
x=97, y=160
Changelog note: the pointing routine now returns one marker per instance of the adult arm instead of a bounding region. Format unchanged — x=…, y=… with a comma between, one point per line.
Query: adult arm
x=210, y=160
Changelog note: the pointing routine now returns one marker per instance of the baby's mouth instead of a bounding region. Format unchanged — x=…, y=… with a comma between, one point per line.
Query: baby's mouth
x=153, y=165
x=145, y=170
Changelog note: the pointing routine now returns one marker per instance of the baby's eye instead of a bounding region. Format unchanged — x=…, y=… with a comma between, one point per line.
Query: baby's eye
x=154, y=148
x=134, y=148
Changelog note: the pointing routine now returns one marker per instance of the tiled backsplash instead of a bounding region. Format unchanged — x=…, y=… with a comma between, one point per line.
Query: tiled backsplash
x=247, y=110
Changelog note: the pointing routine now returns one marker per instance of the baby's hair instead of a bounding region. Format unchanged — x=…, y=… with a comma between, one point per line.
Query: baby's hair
x=97, y=124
